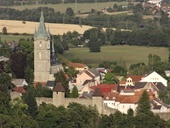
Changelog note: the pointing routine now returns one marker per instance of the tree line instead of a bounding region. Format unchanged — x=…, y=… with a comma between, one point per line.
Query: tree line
x=24, y=112
x=95, y=18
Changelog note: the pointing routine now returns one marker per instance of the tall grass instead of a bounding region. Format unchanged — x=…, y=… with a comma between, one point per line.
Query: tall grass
x=128, y=54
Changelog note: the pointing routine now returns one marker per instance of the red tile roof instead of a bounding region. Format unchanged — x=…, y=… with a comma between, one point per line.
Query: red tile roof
x=111, y=96
x=58, y=88
x=135, y=78
x=122, y=82
x=19, y=90
x=127, y=98
x=97, y=93
x=42, y=83
x=76, y=65
x=105, y=88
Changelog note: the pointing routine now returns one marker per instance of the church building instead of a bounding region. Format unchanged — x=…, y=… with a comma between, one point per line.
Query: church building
x=46, y=63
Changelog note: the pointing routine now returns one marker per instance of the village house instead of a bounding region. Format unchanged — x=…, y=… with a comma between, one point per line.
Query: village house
x=123, y=101
x=91, y=76
x=77, y=66
x=154, y=77
x=19, y=82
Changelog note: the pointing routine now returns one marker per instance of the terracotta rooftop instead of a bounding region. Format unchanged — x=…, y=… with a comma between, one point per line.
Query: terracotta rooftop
x=58, y=88
x=19, y=90
x=135, y=78
x=42, y=83
x=97, y=93
x=111, y=96
x=105, y=88
x=127, y=99
x=76, y=65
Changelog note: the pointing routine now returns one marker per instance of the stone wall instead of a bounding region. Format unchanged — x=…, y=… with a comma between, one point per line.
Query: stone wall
x=86, y=102
x=40, y=100
x=165, y=116
x=107, y=110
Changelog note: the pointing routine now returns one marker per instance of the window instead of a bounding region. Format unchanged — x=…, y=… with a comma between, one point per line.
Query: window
x=40, y=56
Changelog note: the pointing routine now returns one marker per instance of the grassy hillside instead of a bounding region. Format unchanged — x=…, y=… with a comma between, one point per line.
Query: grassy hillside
x=15, y=38
x=129, y=54
x=83, y=7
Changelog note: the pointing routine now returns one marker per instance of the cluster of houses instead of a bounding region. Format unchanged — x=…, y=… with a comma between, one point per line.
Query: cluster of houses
x=156, y=5
x=121, y=96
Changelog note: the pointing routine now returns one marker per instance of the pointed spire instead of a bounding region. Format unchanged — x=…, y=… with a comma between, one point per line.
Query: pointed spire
x=42, y=17
x=42, y=32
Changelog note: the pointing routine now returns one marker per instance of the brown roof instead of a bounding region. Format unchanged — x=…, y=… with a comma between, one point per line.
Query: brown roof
x=97, y=93
x=42, y=83
x=111, y=96
x=135, y=78
x=127, y=99
x=89, y=74
x=76, y=65
x=19, y=90
x=58, y=88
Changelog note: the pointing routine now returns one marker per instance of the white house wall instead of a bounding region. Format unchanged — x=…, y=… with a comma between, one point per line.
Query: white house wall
x=154, y=77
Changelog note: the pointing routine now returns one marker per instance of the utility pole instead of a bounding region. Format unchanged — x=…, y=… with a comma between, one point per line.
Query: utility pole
x=75, y=6
x=63, y=14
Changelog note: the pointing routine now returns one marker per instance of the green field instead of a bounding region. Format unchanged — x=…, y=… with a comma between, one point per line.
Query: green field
x=15, y=38
x=129, y=54
x=82, y=7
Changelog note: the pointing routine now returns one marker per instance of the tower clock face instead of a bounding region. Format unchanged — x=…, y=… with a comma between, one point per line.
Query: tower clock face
x=40, y=44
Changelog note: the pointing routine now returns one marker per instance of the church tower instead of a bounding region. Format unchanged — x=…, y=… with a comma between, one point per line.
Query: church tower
x=42, y=52
x=46, y=63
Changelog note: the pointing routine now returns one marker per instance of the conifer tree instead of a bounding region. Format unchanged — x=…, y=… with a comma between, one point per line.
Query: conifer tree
x=60, y=78
x=74, y=93
x=144, y=104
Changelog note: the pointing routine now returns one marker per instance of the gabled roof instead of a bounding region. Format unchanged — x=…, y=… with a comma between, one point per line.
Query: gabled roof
x=18, y=81
x=134, y=78
x=50, y=83
x=97, y=93
x=111, y=96
x=19, y=90
x=127, y=99
x=42, y=83
x=58, y=88
x=76, y=65
x=89, y=74
x=160, y=86
x=140, y=85
x=94, y=71
x=88, y=81
x=105, y=88
x=122, y=82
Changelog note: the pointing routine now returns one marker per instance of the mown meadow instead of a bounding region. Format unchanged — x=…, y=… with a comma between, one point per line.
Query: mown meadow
x=82, y=7
x=128, y=54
